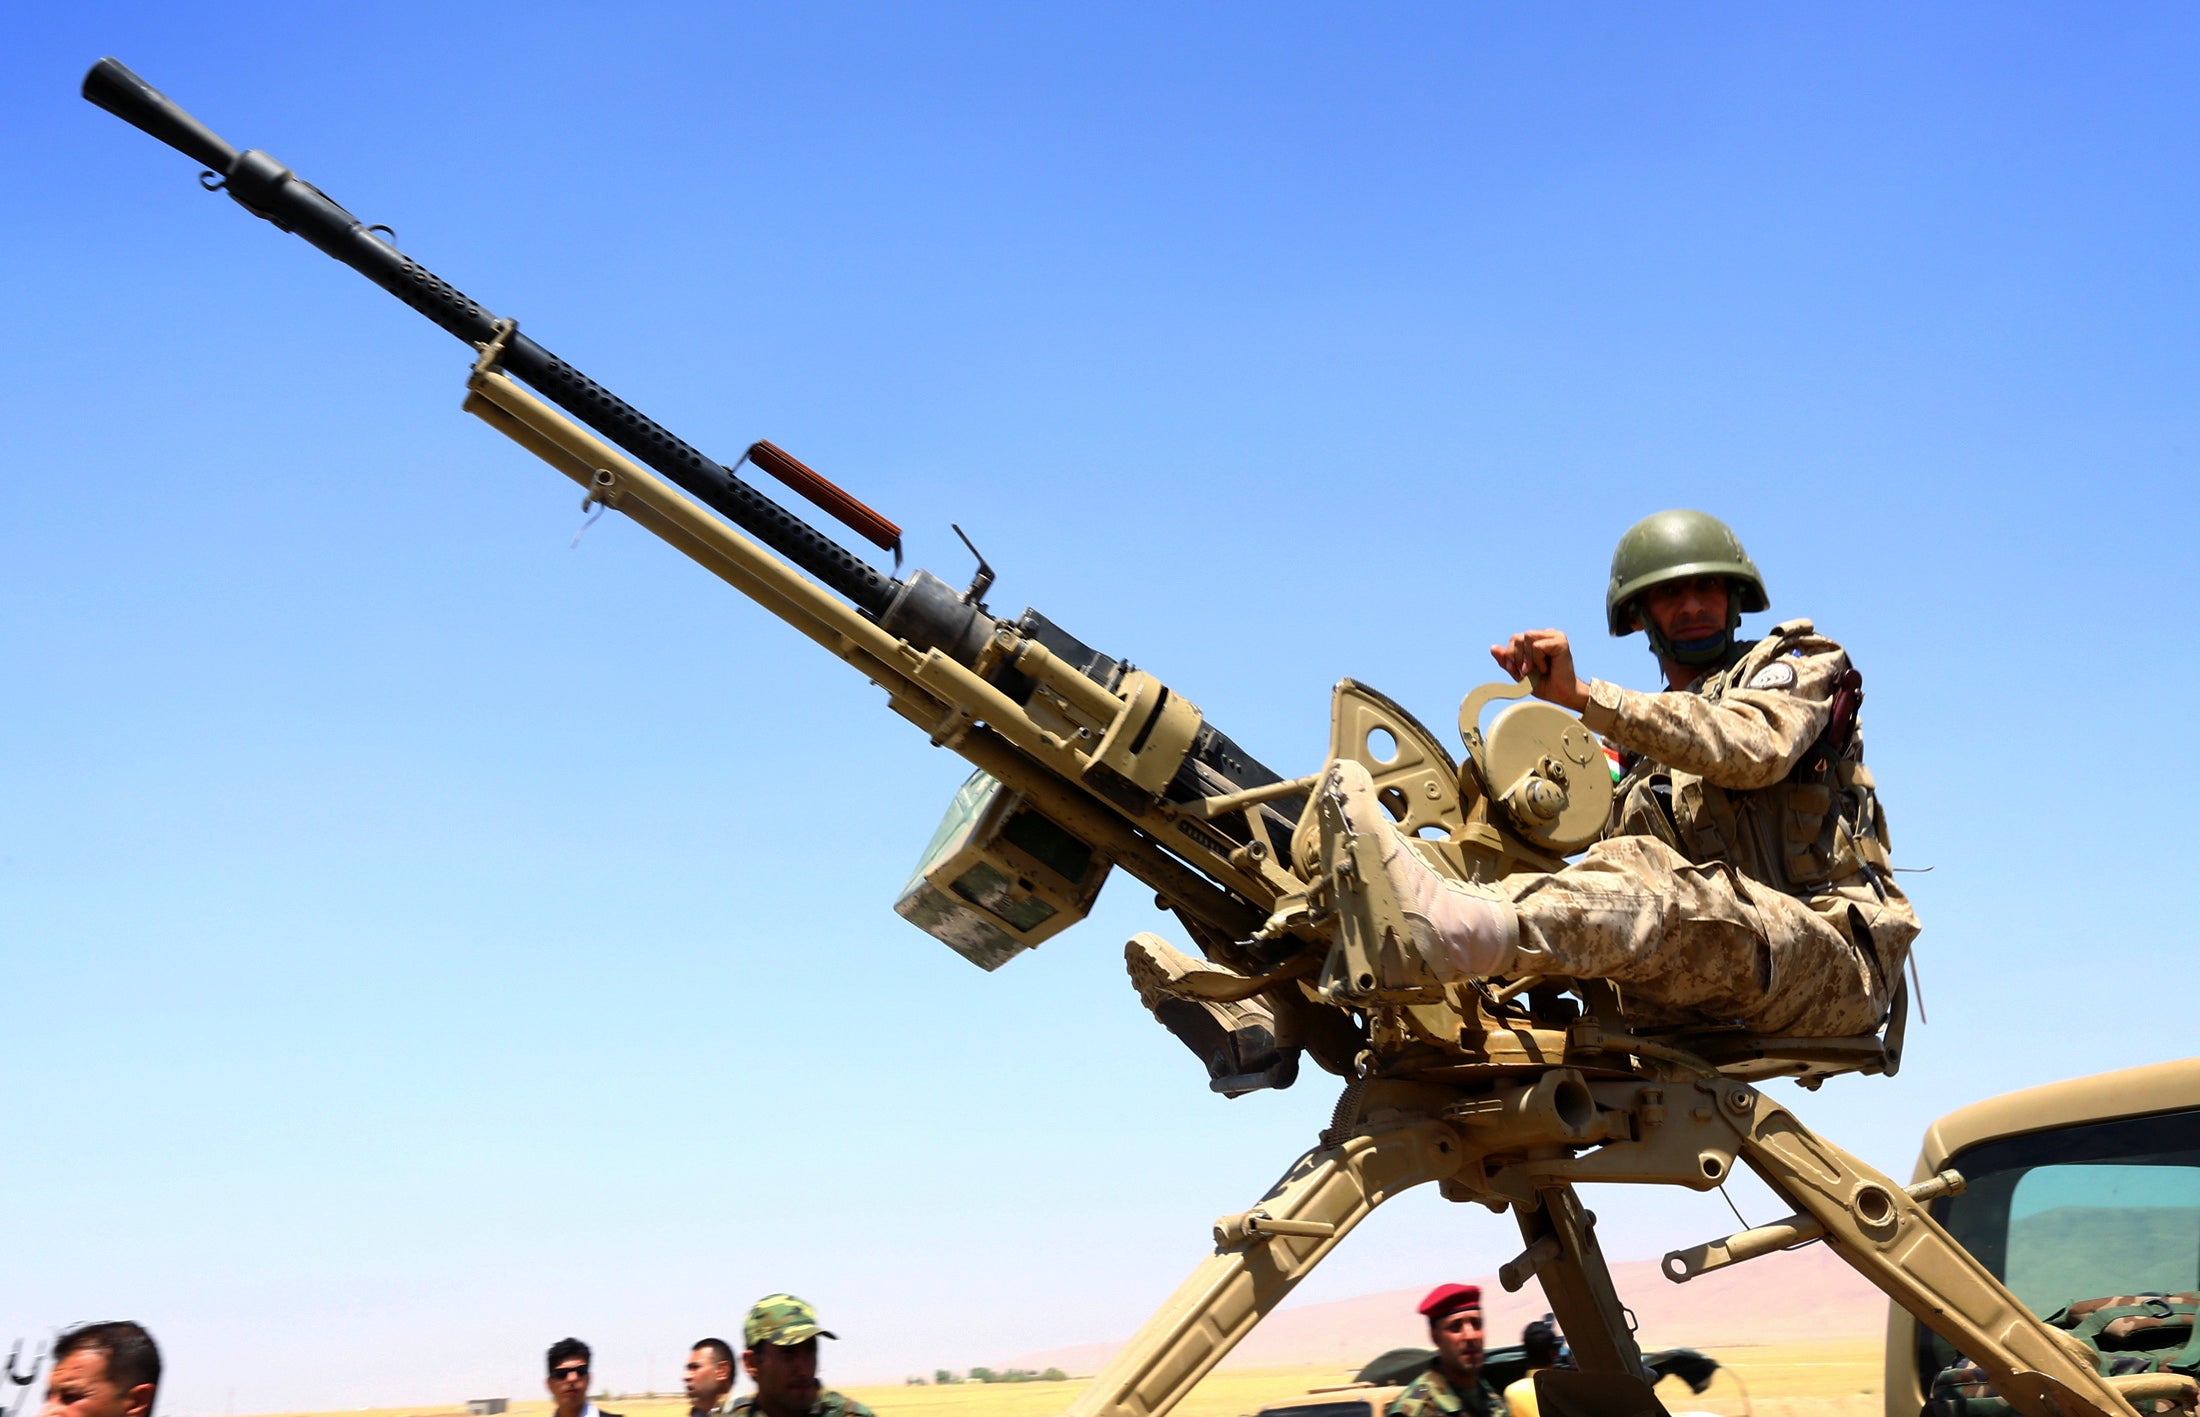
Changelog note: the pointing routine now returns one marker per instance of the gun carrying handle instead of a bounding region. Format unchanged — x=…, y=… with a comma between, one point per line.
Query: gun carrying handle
x=140, y=105
x=821, y=493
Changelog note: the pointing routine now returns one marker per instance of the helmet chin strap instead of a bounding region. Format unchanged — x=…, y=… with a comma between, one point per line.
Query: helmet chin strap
x=1694, y=653
x=1698, y=653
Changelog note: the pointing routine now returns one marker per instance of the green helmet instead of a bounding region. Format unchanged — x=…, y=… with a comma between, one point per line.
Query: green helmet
x=1672, y=546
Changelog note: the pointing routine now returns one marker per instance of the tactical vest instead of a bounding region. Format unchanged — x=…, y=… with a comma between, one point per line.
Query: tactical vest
x=1819, y=827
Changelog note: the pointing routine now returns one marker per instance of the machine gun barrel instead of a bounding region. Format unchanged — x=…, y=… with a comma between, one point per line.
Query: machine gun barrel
x=266, y=188
x=1097, y=764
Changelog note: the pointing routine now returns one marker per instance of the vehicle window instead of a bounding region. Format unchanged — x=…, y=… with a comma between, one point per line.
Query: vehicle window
x=2079, y=1232
x=2079, y=1212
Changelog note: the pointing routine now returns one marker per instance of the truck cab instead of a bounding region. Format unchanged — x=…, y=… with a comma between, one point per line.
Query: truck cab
x=2077, y=1190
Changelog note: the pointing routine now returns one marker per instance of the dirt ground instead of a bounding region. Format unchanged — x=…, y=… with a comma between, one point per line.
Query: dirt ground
x=1833, y=1379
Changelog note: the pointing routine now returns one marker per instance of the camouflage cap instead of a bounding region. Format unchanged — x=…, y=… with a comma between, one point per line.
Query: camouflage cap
x=782, y=1321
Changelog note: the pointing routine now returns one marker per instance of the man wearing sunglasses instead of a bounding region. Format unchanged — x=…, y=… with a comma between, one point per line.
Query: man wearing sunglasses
x=568, y=1381
x=779, y=1353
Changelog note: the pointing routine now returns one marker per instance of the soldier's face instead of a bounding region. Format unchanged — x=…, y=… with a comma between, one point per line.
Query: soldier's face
x=1458, y=1338
x=708, y=1377
x=79, y=1387
x=1686, y=610
x=786, y=1377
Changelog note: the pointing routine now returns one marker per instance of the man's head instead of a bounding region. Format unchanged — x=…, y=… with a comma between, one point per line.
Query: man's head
x=1454, y=1314
x=568, y=1363
x=1683, y=579
x=1541, y=1342
x=709, y=1374
x=779, y=1353
x=103, y=1370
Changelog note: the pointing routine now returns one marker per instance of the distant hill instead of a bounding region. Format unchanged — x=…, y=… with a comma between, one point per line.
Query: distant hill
x=2084, y=1252
x=1802, y=1295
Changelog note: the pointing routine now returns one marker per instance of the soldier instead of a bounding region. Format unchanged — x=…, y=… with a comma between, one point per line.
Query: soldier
x=779, y=1353
x=1453, y=1384
x=1542, y=1346
x=1744, y=876
x=709, y=1377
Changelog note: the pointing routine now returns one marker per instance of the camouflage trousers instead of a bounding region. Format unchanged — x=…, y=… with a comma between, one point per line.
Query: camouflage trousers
x=1689, y=941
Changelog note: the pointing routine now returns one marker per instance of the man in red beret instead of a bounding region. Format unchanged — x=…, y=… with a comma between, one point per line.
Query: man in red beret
x=1453, y=1384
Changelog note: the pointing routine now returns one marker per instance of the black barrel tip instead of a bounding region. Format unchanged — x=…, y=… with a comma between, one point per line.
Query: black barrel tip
x=113, y=87
x=106, y=75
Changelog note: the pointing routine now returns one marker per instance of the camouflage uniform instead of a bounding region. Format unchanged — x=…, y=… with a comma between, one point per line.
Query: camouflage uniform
x=1432, y=1395
x=828, y=1404
x=1725, y=887
x=2128, y=1333
x=783, y=1321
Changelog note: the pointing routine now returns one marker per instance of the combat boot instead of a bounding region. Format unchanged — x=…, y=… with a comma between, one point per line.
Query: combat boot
x=1236, y=1039
x=1461, y=931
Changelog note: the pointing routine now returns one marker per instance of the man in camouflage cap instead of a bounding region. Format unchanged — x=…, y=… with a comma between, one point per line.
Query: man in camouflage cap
x=1744, y=876
x=779, y=1353
x=1453, y=1384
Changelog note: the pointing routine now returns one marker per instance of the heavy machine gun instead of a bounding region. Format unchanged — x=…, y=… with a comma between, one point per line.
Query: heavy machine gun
x=1506, y=1092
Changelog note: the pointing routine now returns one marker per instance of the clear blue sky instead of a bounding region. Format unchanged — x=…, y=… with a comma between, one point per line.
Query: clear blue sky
x=424, y=940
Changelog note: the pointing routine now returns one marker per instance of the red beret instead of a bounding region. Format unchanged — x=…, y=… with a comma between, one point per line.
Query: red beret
x=1444, y=1298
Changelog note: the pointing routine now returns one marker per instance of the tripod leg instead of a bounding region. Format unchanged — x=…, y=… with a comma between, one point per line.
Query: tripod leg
x=1259, y=1258
x=1578, y=1285
x=1890, y=1239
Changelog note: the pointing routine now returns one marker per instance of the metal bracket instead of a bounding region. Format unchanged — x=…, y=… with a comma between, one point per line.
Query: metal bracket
x=603, y=490
x=21, y=1377
x=1791, y=1231
x=493, y=352
x=1528, y=1263
x=979, y=583
x=24, y=1377
x=1256, y=1227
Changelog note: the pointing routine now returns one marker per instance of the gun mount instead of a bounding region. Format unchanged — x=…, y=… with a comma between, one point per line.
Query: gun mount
x=1506, y=1092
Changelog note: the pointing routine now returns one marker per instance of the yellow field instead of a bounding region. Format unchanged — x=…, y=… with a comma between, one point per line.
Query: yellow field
x=1838, y=1379
x=1782, y=1380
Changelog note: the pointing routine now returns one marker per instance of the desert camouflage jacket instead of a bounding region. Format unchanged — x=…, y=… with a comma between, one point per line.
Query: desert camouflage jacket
x=1718, y=780
x=1432, y=1394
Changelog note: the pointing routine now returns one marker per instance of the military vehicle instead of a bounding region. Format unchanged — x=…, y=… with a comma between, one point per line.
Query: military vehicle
x=1382, y=1381
x=1505, y=1092
x=2075, y=1192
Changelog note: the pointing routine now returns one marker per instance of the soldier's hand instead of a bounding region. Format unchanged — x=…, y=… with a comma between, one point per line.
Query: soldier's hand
x=1546, y=660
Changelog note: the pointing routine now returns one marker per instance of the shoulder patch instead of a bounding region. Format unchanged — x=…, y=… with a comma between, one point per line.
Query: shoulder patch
x=1777, y=675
